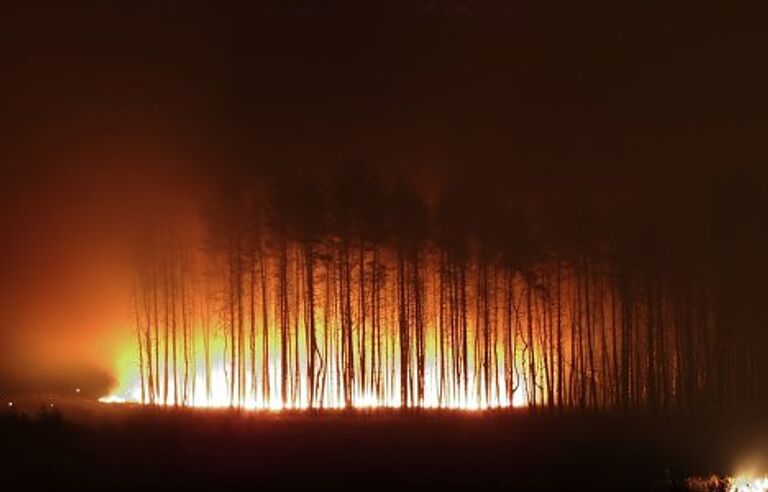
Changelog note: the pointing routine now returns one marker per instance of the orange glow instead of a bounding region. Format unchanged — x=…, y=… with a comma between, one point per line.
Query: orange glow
x=215, y=392
x=279, y=324
x=480, y=360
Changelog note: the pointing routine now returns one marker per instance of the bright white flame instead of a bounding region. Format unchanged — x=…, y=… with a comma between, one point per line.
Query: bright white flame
x=112, y=399
x=219, y=397
x=743, y=484
x=202, y=375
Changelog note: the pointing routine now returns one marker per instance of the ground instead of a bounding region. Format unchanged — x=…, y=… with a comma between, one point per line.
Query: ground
x=127, y=447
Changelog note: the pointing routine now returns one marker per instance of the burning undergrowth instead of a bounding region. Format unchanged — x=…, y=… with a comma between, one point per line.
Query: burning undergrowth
x=715, y=483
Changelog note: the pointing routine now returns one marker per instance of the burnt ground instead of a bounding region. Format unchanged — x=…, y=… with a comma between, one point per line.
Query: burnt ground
x=124, y=447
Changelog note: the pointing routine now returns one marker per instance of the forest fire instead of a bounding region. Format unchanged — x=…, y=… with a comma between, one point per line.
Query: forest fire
x=430, y=244
x=364, y=372
x=218, y=397
x=294, y=308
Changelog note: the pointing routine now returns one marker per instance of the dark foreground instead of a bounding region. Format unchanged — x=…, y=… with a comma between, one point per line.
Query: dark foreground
x=133, y=448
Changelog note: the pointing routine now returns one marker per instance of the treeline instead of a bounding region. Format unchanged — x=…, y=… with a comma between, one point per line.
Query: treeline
x=349, y=292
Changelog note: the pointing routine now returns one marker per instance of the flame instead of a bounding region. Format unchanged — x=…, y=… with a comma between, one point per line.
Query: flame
x=747, y=484
x=212, y=389
x=112, y=399
x=739, y=483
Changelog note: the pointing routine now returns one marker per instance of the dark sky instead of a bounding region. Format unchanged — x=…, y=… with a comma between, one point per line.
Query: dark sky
x=438, y=83
x=115, y=111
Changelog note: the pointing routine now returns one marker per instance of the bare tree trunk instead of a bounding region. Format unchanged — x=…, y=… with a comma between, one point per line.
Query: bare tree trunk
x=310, y=325
x=402, y=303
x=265, y=383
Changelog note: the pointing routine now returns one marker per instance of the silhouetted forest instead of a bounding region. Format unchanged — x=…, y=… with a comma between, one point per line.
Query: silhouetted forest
x=346, y=289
